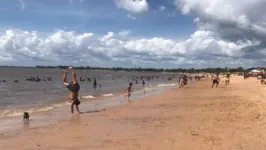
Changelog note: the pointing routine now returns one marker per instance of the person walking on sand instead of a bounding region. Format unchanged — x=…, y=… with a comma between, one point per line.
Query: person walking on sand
x=73, y=87
x=215, y=80
x=129, y=91
x=227, y=79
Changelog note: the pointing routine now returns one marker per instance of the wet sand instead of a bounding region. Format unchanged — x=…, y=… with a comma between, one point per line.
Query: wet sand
x=194, y=118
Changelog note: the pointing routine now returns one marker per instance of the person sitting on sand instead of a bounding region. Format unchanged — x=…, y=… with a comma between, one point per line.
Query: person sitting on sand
x=74, y=89
x=129, y=91
x=215, y=80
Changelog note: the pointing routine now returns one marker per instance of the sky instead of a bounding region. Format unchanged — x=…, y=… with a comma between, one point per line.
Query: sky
x=133, y=33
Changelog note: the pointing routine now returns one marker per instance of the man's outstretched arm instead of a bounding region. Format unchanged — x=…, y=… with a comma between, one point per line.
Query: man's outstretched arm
x=65, y=78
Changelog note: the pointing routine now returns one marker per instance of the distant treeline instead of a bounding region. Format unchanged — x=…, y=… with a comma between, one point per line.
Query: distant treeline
x=191, y=70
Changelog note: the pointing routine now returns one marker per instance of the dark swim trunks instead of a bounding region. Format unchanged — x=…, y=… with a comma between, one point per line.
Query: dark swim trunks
x=76, y=102
x=215, y=81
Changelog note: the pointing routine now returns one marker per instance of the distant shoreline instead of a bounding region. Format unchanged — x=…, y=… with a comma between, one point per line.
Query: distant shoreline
x=139, y=69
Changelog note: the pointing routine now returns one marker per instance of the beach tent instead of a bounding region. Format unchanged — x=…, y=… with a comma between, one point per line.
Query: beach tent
x=255, y=71
x=250, y=69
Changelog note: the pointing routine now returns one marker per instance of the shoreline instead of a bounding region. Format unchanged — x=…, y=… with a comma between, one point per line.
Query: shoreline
x=12, y=112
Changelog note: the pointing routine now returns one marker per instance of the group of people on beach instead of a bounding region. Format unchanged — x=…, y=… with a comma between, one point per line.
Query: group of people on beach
x=74, y=87
x=216, y=79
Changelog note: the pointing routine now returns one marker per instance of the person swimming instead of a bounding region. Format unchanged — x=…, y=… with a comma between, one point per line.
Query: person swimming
x=74, y=88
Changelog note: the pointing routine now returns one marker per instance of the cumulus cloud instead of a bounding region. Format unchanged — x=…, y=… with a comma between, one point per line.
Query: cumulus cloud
x=133, y=6
x=233, y=20
x=161, y=8
x=124, y=33
x=201, y=49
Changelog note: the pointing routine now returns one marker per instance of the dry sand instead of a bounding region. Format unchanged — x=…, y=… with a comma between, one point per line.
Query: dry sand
x=194, y=118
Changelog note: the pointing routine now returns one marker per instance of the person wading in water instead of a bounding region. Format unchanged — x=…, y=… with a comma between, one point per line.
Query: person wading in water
x=73, y=88
x=94, y=84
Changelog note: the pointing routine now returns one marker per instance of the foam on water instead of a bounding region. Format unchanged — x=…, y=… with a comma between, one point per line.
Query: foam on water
x=108, y=95
x=19, y=112
x=87, y=97
x=163, y=85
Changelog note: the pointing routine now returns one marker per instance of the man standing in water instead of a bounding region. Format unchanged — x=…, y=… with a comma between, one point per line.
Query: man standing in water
x=73, y=88
x=143, y=85
x=94, y=84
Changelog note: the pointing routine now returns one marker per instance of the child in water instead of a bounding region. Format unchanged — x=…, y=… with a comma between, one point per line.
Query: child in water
x=129, y=91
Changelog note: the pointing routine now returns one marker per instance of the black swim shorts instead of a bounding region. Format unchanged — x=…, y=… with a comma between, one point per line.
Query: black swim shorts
x=215, y=81
x=76, y=102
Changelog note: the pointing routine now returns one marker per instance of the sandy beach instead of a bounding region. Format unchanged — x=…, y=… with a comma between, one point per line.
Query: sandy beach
x=196, y=117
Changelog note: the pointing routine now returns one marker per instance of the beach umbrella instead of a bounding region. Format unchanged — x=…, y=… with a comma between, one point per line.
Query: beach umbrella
x=250, y=69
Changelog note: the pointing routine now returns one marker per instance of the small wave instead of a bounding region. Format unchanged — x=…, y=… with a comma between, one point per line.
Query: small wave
x=87, y=97
x=163, y=85
x=10, y=113
x=19, y=112
x=107, y=95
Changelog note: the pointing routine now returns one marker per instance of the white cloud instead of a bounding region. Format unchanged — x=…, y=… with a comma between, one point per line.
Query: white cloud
x=241, y=17
x=171, y=14
x=73, y=1
x=131, y=17
x=133, y=6
x=124, y=33
x=201, y=49
x=161, y=8
x=22, y=4
x=232, y=21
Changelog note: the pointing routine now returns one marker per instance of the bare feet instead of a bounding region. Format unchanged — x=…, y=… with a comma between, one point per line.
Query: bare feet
x=70, y=68
x=64, y=71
